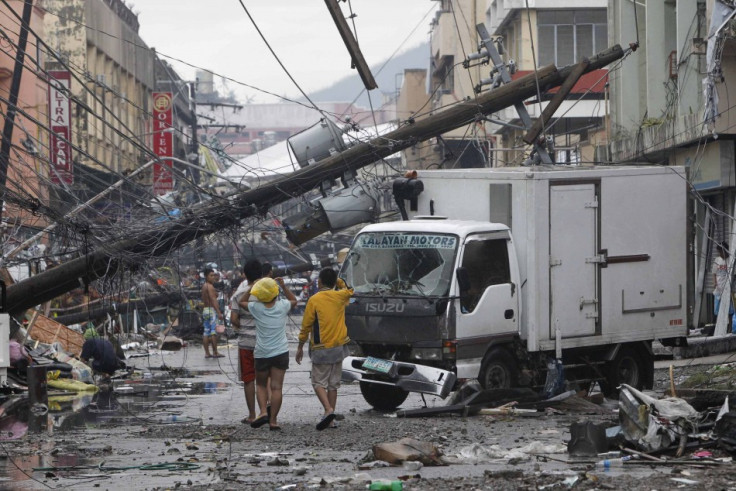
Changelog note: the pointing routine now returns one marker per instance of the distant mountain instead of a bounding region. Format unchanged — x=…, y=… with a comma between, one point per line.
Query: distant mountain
x=348, y=88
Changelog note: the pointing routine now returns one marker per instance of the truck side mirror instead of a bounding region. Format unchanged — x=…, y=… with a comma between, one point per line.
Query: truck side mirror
x=463, y=279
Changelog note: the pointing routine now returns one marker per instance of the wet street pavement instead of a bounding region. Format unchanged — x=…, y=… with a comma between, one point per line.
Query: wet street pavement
x=176, y=422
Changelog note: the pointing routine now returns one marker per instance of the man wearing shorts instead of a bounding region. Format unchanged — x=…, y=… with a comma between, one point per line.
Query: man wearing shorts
x=324, y=319
x=272, y=348
x=210, y=313
x=244, y=322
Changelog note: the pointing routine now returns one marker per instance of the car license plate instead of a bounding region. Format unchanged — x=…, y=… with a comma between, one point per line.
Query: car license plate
x=378, y=365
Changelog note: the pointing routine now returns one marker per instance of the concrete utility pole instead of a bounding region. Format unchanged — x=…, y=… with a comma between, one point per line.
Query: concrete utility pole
x=13, y=98
x=207, y=218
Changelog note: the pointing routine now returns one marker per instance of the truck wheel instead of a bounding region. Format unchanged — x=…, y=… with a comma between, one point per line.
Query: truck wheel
x=632, y=366
x=498, y=370
x=383, y=397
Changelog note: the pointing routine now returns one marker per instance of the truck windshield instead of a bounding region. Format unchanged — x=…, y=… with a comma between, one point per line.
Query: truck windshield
x=400, y=263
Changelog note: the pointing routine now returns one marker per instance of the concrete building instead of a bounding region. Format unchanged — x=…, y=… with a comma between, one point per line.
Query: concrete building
x=453, y=37
x=671, y=106
x=560, y=33
x=99, y=41
x=114, y=74
x=547, y=32
x=27, y=169
x=412, y=99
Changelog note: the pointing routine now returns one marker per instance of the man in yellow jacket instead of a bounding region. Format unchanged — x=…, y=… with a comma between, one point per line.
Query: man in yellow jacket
x=324, y=320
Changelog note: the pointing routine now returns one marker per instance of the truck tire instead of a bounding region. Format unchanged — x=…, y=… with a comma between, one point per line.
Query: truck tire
x=383, y=397
x=498, y=370
x=633, y=365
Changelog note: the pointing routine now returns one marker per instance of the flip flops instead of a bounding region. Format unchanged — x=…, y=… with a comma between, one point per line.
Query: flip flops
x=219, y=355
x=207, y=356
x=274, y=428
x=325, y=421
x=260, y=421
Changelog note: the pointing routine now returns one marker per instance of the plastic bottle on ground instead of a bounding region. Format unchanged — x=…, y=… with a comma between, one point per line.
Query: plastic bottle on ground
x=609, y=463
x=386, y=485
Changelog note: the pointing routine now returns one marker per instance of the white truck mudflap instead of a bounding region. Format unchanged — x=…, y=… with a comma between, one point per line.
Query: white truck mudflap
x=408, y=376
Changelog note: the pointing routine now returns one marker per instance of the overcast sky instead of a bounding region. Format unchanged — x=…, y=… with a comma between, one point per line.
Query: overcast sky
x=218, y=35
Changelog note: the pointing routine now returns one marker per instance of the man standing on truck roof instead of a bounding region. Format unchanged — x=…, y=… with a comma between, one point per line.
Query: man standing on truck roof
x=324, y=319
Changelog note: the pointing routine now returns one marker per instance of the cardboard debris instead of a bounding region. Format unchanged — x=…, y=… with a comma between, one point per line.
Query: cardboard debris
x=170, y=343
x=46, y=330
x=408, y=449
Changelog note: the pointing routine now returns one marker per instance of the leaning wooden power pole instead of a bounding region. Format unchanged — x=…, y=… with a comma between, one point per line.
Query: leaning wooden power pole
x=210, y=217
x=13, y=98
x=358, y=61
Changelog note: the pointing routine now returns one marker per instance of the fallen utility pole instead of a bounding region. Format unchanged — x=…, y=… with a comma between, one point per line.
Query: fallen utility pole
x=206, y=218
x=166, y=297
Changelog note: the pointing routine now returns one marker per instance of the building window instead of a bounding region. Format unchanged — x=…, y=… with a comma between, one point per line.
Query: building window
x=443, y=79
x=566, y=36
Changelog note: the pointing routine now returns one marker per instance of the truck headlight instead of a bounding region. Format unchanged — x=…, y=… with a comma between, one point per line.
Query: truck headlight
x=426, y=354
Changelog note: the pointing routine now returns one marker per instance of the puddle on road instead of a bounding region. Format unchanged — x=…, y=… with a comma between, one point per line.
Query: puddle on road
x=61, y=465
x=150, y=400
x=157, y=398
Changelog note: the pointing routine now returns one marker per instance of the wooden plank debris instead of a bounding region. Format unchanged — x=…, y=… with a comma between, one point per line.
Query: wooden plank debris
x=46, y=330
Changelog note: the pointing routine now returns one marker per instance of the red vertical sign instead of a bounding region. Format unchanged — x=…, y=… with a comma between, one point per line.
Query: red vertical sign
x=60, y=135
x=163, y=178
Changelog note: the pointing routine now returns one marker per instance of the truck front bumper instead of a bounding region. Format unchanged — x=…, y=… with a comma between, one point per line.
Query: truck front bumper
x=409, y=376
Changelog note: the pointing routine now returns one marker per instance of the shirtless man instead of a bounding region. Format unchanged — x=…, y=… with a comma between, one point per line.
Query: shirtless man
x=210, y=314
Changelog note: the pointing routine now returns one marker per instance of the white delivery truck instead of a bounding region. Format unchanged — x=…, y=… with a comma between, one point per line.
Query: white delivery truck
x=499, y=271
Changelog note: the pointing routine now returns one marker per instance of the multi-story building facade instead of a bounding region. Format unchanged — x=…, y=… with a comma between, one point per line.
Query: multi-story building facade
x=98, y=41
x=114, y=74
x=28, y=155
x=671, y=106
x=531, y=34
x=453, y=38
x=538, y=33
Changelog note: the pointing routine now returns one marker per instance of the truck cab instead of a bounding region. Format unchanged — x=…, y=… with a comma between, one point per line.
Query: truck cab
x=434, y=292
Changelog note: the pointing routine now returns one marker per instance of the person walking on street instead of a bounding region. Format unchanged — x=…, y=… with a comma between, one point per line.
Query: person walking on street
x=243, y=321
x=324, y=325
x=210, y=314
x=272, y=348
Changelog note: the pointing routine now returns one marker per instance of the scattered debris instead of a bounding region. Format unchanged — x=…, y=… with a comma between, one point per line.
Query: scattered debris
x=475, y=453
x=411, y=465
x=587, y=439
x=48, y=331
x=375, y=464
x=654, y=424
x=408, y=449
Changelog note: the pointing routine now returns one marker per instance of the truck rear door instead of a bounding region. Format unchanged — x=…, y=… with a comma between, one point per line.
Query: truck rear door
x=573, y=235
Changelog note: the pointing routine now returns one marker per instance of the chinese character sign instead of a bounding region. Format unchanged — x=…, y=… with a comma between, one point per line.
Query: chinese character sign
x=163, y=178
x=60, y=134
